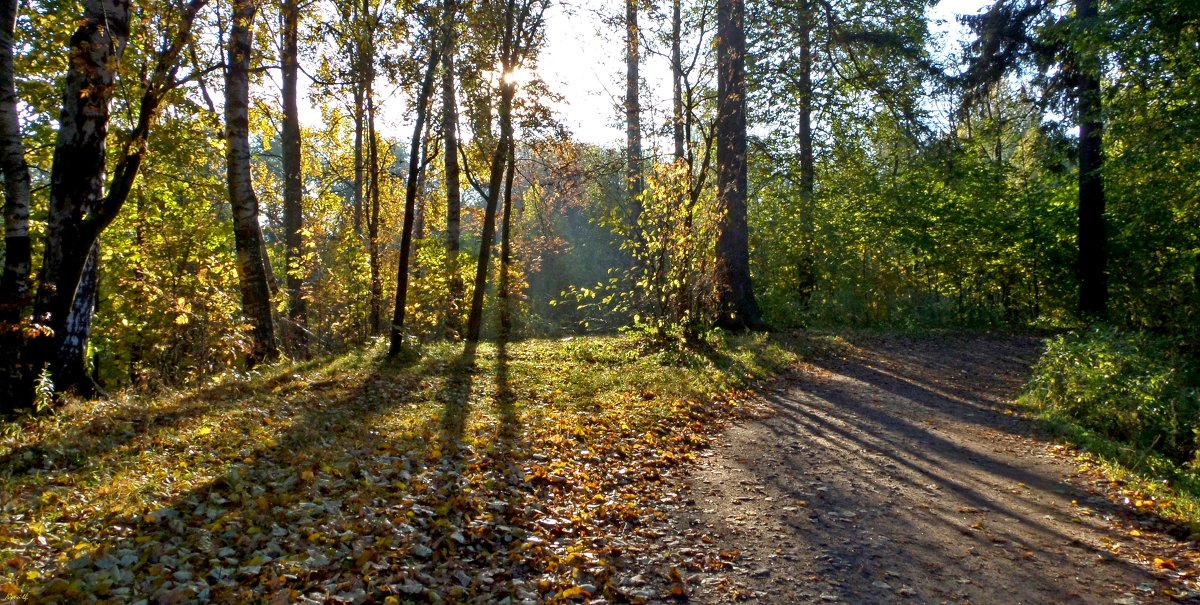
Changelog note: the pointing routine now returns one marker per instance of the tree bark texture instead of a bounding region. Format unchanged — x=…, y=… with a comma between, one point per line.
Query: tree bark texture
x=506, y=245
x=252, y=269
x=70, y=362
x=15, y=285
x=739, y=310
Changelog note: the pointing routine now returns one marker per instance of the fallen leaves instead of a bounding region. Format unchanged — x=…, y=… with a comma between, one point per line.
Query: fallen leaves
x=351, y=483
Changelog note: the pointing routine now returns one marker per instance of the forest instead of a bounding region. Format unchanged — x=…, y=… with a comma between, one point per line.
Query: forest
x=341, y=245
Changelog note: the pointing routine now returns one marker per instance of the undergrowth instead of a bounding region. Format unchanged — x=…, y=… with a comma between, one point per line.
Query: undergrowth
x=1131, y=400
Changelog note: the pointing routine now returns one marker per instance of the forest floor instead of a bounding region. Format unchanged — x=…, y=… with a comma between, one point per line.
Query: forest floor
x=583, y=470
x=899, y=470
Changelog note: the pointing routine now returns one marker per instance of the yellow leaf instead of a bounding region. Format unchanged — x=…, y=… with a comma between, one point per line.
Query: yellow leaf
x=1164, y=563
x=1135, y=533
x=205, y=430
x=574, y=591
x=181, y=319
x=32, y=574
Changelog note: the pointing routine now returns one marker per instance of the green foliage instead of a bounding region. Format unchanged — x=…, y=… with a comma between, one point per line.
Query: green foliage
x=1139, y=390
x=669, y=285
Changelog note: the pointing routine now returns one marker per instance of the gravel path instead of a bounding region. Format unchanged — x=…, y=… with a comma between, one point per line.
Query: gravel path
x=898, y=471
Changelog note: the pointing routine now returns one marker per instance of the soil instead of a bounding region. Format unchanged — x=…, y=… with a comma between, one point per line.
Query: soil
x=899, y=470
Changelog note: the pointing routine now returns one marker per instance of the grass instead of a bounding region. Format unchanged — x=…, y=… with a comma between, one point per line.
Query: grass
x=459, y=473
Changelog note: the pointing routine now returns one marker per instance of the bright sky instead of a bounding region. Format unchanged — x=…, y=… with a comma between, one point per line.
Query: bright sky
x=584, y=63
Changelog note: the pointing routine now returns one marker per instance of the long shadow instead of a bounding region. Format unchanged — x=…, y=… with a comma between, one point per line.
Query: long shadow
x=88, y=440
x=269, y=520
x=966, y=408
x=456, y=398
x=841, y=424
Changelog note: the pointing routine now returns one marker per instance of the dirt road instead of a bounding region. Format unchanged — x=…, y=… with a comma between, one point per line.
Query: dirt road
x=898, y=471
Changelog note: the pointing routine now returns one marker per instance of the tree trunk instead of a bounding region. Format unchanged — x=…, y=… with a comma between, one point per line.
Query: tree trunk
x=15, y=287
x=450, y=159
x=359, y=119
x=677, y=79
x=1093, y=237
x=376, y=308
x=78, y=173
x=499, y=157
x=252, y=271
x=70, y=363
x=293, y=188
x=633, y=110
x=79, y=210
x=805, y=270
x=506, y=246
x=738, y=309
x=410, y=205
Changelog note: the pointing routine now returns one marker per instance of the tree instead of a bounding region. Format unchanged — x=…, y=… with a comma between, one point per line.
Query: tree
x=450, y=159
x=410, y=198
x=15, y=288
x=1014, y=34
x=633, y=107
x=252, y=270
x=293, y=183
x=738, y=308
x=522, y=24
x=677, y=119
x=508, y=55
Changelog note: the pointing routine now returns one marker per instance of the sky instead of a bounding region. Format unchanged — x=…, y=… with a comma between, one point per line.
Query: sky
x=583, y=62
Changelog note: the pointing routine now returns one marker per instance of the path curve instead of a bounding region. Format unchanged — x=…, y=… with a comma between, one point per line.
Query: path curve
x=899, y=471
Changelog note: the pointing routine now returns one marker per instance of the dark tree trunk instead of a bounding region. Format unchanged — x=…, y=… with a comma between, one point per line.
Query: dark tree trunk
x=738, y=309
x=677, y=79
x=15, y=286
x=506, y=246
x=359, y=120
x=633, y=109
x=410, y=205
x=363, y=56
x=1093, y=237
x=70, y=363
x=293, y=188
x=376, y=302
x=252, y=269
x=450, y=159
x=805, y=270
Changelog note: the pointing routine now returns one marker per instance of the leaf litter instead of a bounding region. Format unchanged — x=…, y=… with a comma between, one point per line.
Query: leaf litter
x=532, y=472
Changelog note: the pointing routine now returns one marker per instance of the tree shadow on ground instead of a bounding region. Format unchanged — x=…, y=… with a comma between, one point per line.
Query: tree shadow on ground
x=908, y=487
x=367, y=489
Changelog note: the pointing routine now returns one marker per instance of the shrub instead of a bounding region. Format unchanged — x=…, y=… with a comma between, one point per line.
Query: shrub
x=1134, y=388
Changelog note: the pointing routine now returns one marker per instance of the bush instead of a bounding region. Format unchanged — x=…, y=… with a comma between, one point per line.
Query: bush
x=1136, y=389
